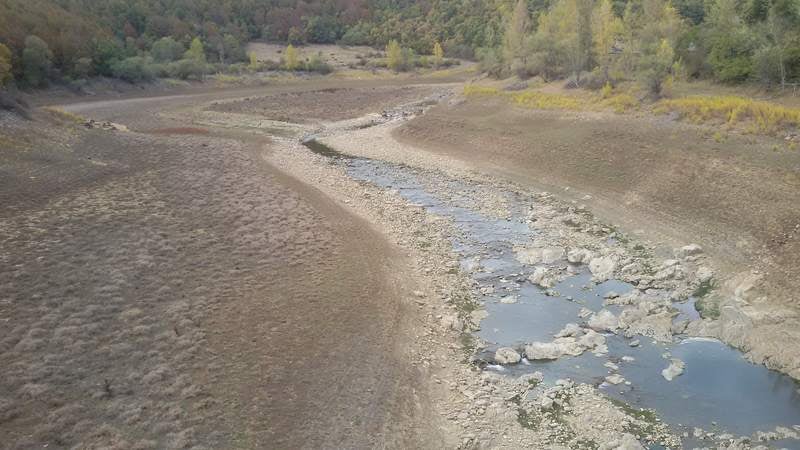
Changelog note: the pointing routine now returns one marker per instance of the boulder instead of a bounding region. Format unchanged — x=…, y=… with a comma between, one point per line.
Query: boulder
x=602, y=268
x=688, y=250
x=542, y=278
x=506, y=355
x=579, y=256
x=604, y=320
x=570, y=330
x=547, y=255
x=615, y=379
x=674, y=369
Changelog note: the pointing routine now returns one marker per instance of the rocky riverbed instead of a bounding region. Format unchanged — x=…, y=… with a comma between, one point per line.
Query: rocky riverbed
x=586, y=318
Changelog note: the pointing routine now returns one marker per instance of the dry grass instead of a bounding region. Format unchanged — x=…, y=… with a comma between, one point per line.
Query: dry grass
x=756, y=116
x=537, y=99
x=64, y=116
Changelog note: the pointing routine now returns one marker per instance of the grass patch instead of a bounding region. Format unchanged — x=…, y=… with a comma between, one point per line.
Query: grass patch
x=708, y=307
x=763, y=117
x=65, y=116
x=703, y=289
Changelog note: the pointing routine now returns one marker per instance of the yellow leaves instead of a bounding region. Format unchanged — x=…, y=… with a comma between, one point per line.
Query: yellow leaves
x=291, y=58
x=394, y=55
x=534, y=99
x=765, y=117
x=438, y=54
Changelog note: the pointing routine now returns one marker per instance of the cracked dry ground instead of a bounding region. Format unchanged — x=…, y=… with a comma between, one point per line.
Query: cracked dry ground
x=178, y=292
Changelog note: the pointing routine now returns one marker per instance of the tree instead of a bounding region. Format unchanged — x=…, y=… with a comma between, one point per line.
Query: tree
x=731, y=44
x=291, y=59
x=196, y=51
x=5, y=65
x=438, y=54
x=37, y=61
x=606, y=29
x=514, y=40
x=166, y=50
x=394, y=56
x=656, y=68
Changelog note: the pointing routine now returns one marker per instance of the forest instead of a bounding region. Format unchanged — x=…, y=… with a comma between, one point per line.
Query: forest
x=592, y=42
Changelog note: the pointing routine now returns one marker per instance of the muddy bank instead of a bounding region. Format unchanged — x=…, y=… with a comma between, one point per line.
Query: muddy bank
x=175, y=290
x=667, y=182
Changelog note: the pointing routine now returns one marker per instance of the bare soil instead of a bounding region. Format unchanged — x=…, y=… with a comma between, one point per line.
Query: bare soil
x=174, y=290
x=328, y=104
x=671, y=182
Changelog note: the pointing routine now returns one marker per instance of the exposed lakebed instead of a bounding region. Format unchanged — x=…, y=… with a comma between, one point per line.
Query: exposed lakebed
x=719, y=391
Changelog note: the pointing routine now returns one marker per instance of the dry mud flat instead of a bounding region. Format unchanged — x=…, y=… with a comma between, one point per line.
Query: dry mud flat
x=176, y=291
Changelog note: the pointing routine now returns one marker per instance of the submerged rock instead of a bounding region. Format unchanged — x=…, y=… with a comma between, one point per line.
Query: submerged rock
x=507, y=355
x=674, y=369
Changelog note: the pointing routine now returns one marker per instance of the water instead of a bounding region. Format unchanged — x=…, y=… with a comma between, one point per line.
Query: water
x=718, y=391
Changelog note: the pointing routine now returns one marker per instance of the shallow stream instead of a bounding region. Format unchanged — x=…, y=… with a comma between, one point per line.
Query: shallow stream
x=719, y=390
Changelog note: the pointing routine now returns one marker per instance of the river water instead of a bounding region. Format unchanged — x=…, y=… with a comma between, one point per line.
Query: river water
x=719, y=390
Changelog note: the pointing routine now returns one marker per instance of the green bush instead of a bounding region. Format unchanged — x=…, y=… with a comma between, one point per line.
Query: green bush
x=134, y=69
x=318, y=65
x=187, y=68
x=166, y=50
x=37, y=61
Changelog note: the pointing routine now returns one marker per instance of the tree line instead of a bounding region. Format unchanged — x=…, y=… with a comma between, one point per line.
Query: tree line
x=595, y=41
x=599, y=42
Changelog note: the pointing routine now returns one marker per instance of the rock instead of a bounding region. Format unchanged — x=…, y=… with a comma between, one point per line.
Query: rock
x=615, y=379
x=604, y=320
x=704, y=274
x=509, y=299
x=626, y=442
x=452, y=322
x=530, y=379
x=688, y=250
x=584, y=313
x=602, y=268
x=506, y=355
x=579, y=256
x=554, y=350
x=674, y=369
x=537, y=255
x=611, y=295
x=541, y=276
x=592, y=340
x=634, y=343
x=570, y=330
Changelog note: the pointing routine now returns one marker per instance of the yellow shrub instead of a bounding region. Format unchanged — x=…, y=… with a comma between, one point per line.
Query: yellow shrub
x=767, y=117
x=607, y=90
x=64, y=115
x=621, y=103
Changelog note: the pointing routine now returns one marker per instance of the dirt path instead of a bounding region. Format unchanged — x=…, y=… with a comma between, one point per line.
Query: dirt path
x=175, y=290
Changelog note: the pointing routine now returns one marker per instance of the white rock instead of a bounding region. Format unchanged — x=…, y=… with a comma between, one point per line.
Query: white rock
x=688, y=250
x=533, y=256
x=674, y=369
x=602, y=268
x=704, y=274
x=506, y=355
x=604, y=320
x=615, y=379
x=579, y=256
x=584, y=313
x=540, y=277
x=592, y=340
x=626, y=442
x=570, y=330
x=509, y=299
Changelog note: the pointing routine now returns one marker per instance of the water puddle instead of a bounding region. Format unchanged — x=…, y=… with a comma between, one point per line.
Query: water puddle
x=719, y=391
